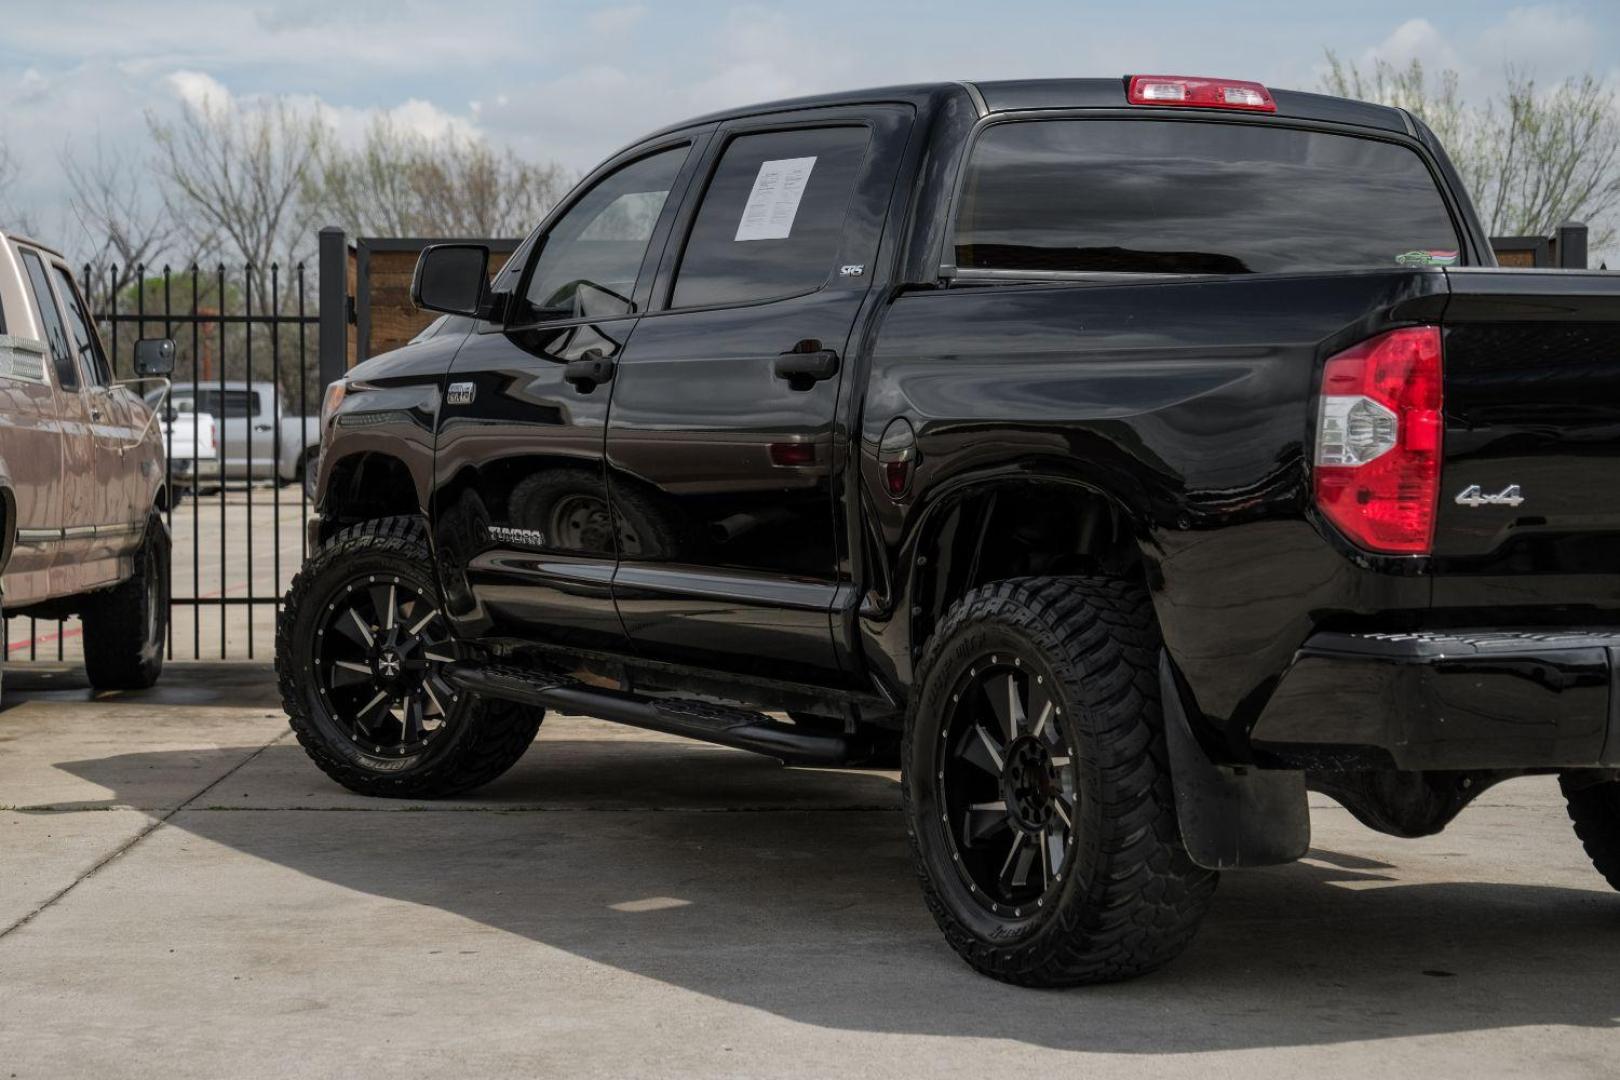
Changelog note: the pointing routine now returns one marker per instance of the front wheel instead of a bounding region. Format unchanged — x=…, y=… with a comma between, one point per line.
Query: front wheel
x=1037, y=792
x=362, y=645
x=126, y=627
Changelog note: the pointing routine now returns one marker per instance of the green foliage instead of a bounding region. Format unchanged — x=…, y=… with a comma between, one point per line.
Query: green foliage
x=1532, y=157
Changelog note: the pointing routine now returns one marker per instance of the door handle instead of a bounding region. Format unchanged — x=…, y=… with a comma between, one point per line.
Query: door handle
x=261, y=427
x=588, y=372
x=803, y=370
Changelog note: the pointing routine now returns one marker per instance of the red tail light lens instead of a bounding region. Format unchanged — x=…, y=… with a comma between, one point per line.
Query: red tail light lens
x=1378, y=440
x=1191, y=92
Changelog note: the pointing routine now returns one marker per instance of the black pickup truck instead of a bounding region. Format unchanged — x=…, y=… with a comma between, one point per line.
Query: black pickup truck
x=1123, y=456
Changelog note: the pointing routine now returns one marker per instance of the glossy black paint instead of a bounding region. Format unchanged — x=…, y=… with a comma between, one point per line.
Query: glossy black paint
x=1486, y=700
x=1532, y=399
x=737, y=462
x=1154, y=426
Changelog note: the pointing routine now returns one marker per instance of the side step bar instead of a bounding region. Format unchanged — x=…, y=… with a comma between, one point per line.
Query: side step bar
x=719, y=724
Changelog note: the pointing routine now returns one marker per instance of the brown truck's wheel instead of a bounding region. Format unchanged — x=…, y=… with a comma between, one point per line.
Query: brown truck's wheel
x=126, y=627
x=1038, y=797
x=1595, y=810
x=361, y=650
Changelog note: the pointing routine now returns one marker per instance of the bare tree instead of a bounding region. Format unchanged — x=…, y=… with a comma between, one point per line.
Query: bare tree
x=123, y=225
x=1532, y=158
x=10, y=216
x=232, y=177
x=400, y=183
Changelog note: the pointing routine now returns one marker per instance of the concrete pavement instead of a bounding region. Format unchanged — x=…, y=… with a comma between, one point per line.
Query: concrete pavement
x=182, y=894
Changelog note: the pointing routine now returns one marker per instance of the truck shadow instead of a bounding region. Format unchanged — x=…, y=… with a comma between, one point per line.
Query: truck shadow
x=808, y=907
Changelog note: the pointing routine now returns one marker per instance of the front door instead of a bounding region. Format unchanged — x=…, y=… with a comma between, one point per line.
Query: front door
x=521, y=517
x=71, y=569
x=721, y=451
x=118, y=525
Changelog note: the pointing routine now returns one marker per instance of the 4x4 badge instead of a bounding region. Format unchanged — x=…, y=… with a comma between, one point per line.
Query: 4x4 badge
x=1472, y=496
x=460, y=393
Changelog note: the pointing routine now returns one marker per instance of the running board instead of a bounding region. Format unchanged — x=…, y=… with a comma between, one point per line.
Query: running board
x=721, y=724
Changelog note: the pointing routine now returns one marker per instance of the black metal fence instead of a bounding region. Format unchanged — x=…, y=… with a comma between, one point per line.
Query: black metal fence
x=238, y=539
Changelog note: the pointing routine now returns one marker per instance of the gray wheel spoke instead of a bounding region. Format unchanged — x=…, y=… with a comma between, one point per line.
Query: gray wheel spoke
x=365, y=631
x=1007, y=703
x=1012, y=854
x=982, y=751
x=382, y=695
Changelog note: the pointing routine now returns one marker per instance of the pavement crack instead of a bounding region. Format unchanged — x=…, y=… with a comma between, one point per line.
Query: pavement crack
x=151, y=827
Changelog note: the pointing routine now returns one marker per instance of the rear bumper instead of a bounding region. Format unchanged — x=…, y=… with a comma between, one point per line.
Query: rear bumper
x=1496, y=699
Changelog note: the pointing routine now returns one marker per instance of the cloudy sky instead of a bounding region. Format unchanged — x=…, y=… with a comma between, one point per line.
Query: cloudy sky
x=571, y=81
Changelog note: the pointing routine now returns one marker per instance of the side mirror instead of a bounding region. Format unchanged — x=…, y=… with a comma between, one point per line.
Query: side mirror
x=154, y=357
x=452, y=278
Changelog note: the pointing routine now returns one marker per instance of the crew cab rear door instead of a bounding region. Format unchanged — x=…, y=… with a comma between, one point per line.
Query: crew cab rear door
x=1529, y=507
x=722, y=460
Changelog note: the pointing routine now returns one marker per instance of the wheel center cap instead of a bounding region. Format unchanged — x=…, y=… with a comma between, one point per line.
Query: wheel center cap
x=1029, y=783
x=389, y=664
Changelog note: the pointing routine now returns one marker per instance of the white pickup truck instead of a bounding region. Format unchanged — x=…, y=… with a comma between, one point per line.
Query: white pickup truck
x=191, y=441
x=249, y=416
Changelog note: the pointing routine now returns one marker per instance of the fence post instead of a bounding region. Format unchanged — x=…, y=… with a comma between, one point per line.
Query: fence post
x=1572, y=245
x=332, y=343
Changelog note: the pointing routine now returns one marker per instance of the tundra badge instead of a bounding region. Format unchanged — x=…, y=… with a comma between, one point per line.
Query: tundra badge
x=1473, y=497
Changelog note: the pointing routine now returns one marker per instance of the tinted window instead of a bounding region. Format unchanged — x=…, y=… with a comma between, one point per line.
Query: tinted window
x=80, y=335
x=589, y=261
x=1146, y=196
x=772, y=220
x=67, y=373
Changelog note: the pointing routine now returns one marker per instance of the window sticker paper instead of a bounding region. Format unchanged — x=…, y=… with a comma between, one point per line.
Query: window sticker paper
x=774, y=201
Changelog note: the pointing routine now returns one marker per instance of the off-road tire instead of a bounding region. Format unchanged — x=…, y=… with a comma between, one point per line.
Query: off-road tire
x=1595, y=810
x=483, y=738
x=126, y=627
x=1133, y=899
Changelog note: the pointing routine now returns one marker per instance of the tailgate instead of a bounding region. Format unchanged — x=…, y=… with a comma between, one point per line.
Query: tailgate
x=1530, y=496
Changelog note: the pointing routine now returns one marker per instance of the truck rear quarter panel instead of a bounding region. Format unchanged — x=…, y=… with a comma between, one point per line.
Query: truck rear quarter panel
x=1189, y=404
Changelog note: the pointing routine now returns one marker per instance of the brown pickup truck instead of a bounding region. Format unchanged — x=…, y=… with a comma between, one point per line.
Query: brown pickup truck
x=82, y=481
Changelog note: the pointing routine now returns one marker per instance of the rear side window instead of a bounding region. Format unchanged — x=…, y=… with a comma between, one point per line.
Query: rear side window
x=67, y=372
x=1182, y=197
x=772, y=220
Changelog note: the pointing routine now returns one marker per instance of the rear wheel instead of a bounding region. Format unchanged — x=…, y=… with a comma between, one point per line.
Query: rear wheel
x=1595, y=810
x=361, y=651
x=1037, y=791
x=126, y=627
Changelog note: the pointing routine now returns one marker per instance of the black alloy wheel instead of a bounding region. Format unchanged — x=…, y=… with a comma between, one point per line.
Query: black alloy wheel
x=380, y=654
x=1009, y=781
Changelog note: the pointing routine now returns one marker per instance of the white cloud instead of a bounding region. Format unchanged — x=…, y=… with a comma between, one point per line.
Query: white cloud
x=1415, y=39
x=199, y=90
x=1548, y=41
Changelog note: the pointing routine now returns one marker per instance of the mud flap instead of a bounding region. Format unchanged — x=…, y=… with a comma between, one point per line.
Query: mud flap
x=1230, y=817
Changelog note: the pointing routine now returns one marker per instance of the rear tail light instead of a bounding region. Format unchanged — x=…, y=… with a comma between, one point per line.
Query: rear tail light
x=1378, y=437
x=1187, y=91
